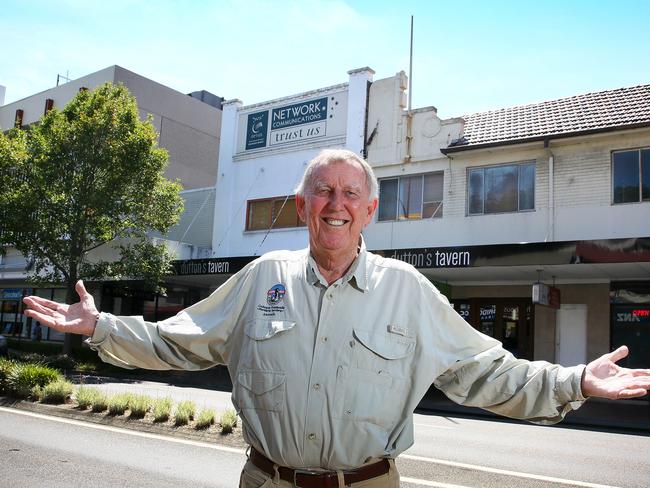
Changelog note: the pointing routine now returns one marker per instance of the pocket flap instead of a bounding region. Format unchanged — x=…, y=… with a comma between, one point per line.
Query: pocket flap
x=262, y=329
x=260, y=382
x=385, y=345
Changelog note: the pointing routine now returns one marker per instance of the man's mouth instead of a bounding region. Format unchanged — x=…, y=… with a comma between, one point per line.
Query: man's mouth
x=335, y=222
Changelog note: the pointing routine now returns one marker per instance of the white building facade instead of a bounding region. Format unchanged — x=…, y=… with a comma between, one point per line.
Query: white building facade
x=488, y=204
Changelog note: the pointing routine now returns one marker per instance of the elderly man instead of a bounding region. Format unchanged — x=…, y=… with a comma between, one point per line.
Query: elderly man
x=331, y=348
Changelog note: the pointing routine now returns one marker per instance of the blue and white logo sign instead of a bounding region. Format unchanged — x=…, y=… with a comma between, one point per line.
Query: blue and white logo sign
x=256, y=129
x=275, y=294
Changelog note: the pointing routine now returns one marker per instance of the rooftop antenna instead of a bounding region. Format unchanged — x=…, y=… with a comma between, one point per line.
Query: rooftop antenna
x=411, y=67
x=409, y=114
x=61, y=77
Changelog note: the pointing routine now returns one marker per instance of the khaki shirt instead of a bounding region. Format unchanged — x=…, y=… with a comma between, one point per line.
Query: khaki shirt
x=328, y=376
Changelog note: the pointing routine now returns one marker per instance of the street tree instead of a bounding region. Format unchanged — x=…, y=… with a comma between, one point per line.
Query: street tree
x=88, y=176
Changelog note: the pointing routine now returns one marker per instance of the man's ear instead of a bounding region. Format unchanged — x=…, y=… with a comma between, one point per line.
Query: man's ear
x=372, y=207
x=300, y=207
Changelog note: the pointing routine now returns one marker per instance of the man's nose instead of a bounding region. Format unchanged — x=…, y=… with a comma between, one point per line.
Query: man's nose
x=336, y=200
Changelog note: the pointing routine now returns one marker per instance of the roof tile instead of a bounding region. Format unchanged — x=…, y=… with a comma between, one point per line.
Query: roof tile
x=599, y=110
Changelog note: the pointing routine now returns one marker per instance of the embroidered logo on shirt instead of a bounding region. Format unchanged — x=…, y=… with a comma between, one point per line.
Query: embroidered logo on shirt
x=275, y=294
x=274, y=298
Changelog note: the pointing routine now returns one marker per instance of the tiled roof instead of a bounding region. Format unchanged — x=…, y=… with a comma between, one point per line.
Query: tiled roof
x=591, y=112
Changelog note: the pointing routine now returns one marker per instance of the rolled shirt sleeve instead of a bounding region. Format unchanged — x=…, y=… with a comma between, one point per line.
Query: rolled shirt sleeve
x=196, y=338
x=479, y=372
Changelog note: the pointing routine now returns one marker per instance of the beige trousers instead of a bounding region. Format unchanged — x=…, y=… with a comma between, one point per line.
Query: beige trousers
x=253, y=477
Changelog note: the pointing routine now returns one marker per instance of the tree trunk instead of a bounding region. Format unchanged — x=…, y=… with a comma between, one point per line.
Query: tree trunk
x=71, y=341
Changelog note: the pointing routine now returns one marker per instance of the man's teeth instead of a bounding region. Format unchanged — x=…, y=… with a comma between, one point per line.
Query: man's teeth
x=335, y=222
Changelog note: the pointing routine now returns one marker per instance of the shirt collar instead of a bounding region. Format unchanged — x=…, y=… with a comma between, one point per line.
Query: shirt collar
x=357, y=275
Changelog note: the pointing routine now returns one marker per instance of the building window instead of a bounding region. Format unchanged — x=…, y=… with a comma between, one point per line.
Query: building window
x=272, y=213
x=631, y=176
x=411, y=197
x=499, y=189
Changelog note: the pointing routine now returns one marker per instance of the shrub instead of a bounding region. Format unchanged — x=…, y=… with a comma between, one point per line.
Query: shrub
x=85, y=396
x=117, y=404
x=205, y=419
x=162, y=409
x=22, y=378
x=184, y=412
x=57, y=391
x=6, y=365
x=100, y=401
x=228, y=421
x=139, y=405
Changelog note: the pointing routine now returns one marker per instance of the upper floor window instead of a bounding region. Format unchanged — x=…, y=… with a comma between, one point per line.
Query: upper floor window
x=272, y=213
x=498, y=189
x=411, y=197
x=631, y=175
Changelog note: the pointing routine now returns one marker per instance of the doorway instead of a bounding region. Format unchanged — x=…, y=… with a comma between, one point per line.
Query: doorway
x=571, y=334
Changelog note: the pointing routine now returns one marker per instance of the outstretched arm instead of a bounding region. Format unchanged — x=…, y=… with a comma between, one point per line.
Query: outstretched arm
x=79, y=318
x=604, y=378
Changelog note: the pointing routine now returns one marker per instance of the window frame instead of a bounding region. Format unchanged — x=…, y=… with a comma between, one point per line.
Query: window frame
x=398, y=213
x=273, y=201
x=517, y=164
x=638, y=151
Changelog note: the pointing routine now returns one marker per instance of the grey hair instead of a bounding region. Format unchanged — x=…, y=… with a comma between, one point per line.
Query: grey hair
x=329, y=156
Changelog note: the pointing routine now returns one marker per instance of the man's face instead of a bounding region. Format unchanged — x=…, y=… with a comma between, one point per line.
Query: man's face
x=336, y=207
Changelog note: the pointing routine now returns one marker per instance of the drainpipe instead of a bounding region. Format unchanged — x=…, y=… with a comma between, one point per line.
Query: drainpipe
x=550, y=236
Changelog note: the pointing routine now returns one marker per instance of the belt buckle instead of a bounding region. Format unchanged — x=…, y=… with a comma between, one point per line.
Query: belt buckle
x=307, y=472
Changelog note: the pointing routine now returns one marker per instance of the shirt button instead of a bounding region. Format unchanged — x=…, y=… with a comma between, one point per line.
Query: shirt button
x=330, y=296
x=316, y=386
x=323, y=339
x=312, y=437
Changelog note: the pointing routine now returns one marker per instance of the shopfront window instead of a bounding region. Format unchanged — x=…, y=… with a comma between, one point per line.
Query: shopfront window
x=273, y=213
x=509, y=320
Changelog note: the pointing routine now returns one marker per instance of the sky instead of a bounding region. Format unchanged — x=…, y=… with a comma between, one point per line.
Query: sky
x=468, y=56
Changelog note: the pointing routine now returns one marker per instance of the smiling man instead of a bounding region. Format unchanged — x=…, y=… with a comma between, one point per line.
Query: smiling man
x=331, y=348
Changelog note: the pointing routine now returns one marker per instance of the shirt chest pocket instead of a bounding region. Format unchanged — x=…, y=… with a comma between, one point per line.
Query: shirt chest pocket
x=261, y=379
x=374, y=388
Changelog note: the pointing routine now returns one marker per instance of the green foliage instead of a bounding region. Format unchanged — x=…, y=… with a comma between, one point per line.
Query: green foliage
x=100, y=402
x=85, y=397
x=118, y=403
x=205, y=419
x=22, y=378
x=228, y=421
x=184, y=412
x=162, y=409
x=139, y=405
x=86, y=176
x=6, y=365
x=57, y=391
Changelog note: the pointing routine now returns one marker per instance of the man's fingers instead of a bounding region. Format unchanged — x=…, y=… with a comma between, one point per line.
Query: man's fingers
x=81, y=289
x=633, y=393
x=44, y=302
x=618, y=354
x=44, y=319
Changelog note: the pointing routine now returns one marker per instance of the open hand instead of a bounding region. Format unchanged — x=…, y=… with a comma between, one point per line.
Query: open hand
x=604, y=378
x=79, y=318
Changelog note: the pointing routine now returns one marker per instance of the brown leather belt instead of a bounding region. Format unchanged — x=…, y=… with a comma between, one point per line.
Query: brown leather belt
x=309, y=479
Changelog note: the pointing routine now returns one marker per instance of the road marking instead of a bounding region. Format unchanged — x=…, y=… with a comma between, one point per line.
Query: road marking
x=110, y=428
x=433, y=426
x=416, y=481
x=505, y=472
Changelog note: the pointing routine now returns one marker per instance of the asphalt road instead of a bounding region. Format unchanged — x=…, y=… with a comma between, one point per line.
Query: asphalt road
x=448, y=453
